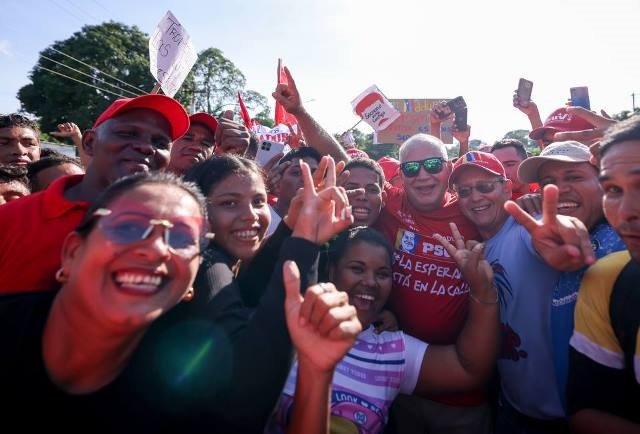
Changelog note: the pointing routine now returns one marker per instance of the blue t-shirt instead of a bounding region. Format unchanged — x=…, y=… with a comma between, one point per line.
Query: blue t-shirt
x=525, y=284
x=604, y=240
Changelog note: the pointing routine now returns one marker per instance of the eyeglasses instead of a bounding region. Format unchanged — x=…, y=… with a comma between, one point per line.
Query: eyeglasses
x=431, y=165
x=181, y=237
x=482, y=186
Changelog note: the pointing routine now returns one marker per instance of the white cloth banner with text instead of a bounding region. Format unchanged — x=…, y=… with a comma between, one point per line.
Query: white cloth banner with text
x=171, y=54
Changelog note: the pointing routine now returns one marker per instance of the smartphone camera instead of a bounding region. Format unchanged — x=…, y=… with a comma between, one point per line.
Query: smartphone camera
x=524, y=91
x=265, y=146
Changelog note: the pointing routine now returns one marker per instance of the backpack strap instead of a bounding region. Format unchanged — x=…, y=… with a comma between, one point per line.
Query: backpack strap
x=624, y=309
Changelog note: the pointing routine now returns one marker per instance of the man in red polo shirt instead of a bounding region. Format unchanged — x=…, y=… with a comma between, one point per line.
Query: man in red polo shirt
x=131, y=135
x=429, y=296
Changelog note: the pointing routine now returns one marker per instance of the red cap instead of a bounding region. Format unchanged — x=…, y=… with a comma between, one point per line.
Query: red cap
x=560, y=121
x=356, y=153
x=483, y=160
x=390, y=167
x=206, y=119
x=171, y=109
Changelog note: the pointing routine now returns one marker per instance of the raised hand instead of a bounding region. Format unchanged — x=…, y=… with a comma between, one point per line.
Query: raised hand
x=531, y=203
x=563, y=241
x=440, y=112
x=475, y=269
x=323, y=325
x=529, y=108
x=275, y=171
x=322, y=213
x=231, y=137
x=70, y=130
x=288, y=95
x=590, y=137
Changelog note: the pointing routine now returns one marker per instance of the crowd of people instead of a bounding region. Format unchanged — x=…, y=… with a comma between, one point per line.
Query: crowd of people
x=165, y=282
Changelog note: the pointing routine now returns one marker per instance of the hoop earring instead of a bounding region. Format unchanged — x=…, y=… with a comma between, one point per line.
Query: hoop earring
x=61, y=277
x=189, y=295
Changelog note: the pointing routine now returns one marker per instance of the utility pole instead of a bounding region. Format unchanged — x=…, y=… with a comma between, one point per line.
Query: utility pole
x=633, y=101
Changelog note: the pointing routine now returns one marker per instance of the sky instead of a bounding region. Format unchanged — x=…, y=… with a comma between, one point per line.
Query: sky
x=335, y=49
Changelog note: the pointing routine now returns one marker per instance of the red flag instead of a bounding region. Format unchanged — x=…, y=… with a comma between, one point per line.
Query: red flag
x=243, y=112
x=281, y=115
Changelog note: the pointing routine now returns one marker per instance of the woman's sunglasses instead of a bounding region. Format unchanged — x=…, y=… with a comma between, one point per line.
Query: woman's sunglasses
x=431, y=165
x=184, y=238
x=482, y=186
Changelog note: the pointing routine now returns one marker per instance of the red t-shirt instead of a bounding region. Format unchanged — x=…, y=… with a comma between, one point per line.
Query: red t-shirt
x=533, y=188
x=33, y=230
x=429, y=296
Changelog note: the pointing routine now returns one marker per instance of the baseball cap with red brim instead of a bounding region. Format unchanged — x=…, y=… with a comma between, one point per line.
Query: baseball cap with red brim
x=168, y=107
x=560, y=121
x=206, y=119
x=482, y=160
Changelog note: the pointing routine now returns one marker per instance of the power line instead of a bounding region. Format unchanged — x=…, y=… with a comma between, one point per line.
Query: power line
x=79, y=81
x=96, y=69
x=68, y=11
x=83, y=11
x=103, y=7
x=90, y=76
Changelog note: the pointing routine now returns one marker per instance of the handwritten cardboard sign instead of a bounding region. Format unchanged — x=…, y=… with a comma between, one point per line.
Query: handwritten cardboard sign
x=374, y=108
x=171, y=54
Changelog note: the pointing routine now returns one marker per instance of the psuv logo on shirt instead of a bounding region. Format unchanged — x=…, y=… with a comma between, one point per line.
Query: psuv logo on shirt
x=411, y=242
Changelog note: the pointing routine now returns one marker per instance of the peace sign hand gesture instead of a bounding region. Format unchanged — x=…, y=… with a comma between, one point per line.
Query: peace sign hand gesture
x=323, y=212
x=470, y=259
x=562, y=241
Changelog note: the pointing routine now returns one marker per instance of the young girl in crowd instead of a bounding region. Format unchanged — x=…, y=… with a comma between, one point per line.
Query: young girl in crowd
x=380, y=366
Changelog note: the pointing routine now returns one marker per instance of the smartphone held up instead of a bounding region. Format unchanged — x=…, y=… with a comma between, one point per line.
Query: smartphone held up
x=524, y=92
x=580, y=97
x=459, y=108
x=267, y=150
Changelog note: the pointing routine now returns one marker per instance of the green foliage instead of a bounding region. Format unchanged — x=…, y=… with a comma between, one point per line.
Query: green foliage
x=258, y=105
x=112, y=47
x=364, y=142
x=123, y=52
x=523, y=135
x=212, y=86
x=380, y=150
x=625, y=114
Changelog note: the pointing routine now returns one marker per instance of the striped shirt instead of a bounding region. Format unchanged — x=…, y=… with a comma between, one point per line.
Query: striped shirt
x=366, y=381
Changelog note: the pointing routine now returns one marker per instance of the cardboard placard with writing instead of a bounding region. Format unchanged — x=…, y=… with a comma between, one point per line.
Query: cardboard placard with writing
x=171, y=54
x=413, y=119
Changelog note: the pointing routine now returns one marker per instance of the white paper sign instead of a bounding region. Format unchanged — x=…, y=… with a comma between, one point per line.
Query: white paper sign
x=375, y=109
x=171, y=54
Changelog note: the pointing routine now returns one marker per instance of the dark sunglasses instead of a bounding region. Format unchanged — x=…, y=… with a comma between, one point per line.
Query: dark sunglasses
x=482, y=186
x=431, y=165
x=182, y=238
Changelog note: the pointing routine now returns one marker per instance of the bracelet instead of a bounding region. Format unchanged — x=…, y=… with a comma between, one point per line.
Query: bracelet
x=477, y=300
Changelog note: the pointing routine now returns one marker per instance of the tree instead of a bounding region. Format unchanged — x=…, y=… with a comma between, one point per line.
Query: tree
x=626, y=114
x=123, y=52
x=364, y=142
x=212, y=86
x=114, y=48
x=258, y=104
x=523, y=136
